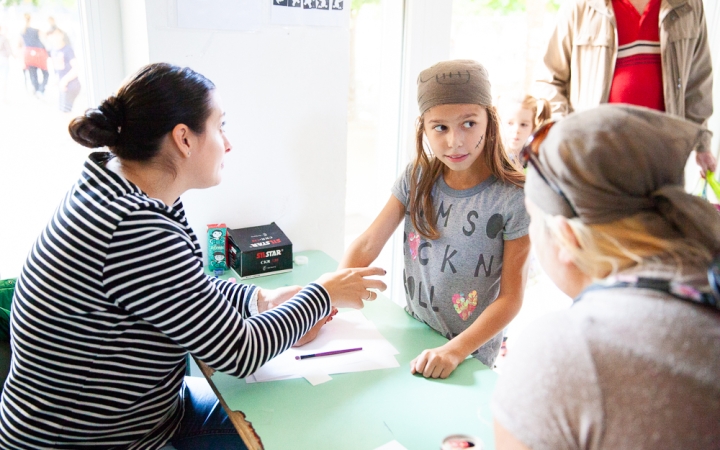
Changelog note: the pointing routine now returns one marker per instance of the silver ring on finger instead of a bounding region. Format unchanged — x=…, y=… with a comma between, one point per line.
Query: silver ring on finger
x=369, y=296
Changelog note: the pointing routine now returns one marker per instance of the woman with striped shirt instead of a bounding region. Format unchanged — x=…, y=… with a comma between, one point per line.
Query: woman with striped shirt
x=113, y=295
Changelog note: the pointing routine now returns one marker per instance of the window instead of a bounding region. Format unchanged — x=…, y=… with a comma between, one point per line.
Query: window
x=32, y=125
x=507, y=37
x=376, y=30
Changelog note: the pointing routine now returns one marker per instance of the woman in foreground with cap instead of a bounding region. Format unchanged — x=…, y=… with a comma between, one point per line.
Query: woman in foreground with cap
x=634, y=362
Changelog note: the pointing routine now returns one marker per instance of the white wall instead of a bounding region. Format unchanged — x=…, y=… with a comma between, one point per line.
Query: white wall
x=134, y=35
x=102, y=47
x=115, y=43
x=284, y=90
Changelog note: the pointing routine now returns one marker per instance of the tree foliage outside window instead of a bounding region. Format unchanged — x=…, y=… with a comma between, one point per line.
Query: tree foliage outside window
x=18, y=2
x=357, y=4
x=69, y=4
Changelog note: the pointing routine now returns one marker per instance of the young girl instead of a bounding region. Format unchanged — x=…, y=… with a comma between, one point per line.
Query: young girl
x=465, y=240
x=520, y=117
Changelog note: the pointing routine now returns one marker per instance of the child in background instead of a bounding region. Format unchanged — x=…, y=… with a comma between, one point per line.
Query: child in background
x=5, y=54
x=465, y=243
x=519, y=118
x=520, y=115
x=66, y=68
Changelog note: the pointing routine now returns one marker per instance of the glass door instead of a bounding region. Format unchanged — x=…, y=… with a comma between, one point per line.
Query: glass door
x=376, y=40
x=42, y=86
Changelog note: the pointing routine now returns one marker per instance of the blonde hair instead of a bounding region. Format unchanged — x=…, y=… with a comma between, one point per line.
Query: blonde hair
x=605, y=249
x=427, y=168
x=540, y=109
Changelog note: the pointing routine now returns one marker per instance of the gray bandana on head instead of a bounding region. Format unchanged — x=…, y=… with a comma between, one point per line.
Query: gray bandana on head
x=458, y=81
x=614, y=161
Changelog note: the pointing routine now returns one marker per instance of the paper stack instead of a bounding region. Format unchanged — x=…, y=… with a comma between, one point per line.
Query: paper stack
x=347, y=330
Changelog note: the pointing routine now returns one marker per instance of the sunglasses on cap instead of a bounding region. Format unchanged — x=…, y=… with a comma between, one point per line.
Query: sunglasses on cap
x=530, y=152
x=714, y=281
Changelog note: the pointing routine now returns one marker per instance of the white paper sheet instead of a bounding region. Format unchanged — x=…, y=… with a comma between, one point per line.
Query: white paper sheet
x=317, y=378
x=392, y=445
x=347, y=330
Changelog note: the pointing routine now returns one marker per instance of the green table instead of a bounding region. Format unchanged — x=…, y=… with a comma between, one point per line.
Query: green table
x=362, y=410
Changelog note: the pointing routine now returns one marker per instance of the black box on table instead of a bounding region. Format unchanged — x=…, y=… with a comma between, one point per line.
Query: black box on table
x=257, y=251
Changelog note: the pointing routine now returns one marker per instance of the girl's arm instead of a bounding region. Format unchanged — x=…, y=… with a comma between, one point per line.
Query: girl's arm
x=440, y=362
x=366, y=248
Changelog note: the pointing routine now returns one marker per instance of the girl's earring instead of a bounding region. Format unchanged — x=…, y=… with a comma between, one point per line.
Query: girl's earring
x=188, y=153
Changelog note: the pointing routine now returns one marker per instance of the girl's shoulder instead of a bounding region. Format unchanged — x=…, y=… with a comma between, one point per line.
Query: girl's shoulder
x=408, y=174
x=409, y=168
x=507, y=189
x=509, y=200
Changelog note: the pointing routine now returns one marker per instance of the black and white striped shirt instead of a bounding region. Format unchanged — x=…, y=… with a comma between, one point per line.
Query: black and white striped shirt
x=111, y=299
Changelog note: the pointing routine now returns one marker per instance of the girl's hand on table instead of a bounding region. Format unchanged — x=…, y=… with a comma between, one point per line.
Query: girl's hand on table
x=270, y=298
x=437, y=362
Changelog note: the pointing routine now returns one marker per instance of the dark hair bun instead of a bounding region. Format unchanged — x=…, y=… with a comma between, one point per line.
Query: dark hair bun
x=101, y=127
x=134, y=122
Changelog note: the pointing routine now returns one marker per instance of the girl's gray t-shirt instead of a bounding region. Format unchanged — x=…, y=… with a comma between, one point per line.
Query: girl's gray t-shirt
x=450, y=281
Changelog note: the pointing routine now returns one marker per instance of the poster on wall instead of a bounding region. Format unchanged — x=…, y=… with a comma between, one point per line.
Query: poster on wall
x=323, y=13
x=238, y=15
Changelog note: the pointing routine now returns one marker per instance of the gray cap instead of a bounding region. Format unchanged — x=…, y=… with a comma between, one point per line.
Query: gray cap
x=614, y=161
x=458, y=81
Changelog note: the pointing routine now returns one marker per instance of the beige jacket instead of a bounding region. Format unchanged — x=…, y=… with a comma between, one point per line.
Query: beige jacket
x=581, y=54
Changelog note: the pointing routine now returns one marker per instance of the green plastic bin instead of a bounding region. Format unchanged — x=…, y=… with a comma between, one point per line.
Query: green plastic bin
x=7, y=289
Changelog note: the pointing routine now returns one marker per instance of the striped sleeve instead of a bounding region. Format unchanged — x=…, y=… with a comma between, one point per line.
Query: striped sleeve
x=152, y=272
x=241, y=297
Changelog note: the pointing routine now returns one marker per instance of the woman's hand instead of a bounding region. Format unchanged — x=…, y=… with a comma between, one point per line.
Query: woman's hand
x=270, y=298
x=349, y=287
x=313, y=332
x=437, y=362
